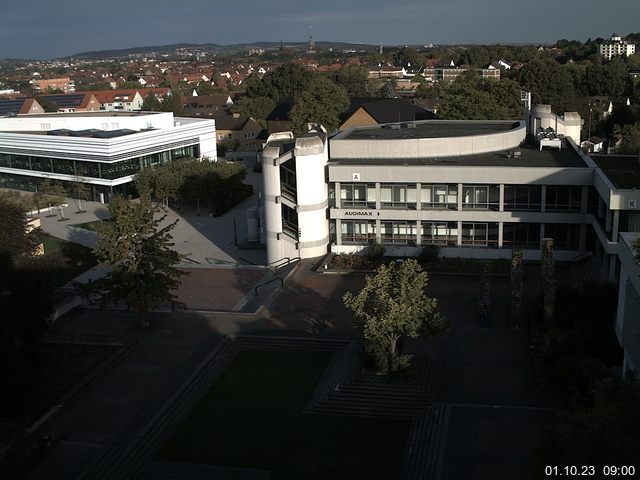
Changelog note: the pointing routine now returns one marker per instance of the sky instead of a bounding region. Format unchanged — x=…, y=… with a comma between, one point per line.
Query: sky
x=42, y=29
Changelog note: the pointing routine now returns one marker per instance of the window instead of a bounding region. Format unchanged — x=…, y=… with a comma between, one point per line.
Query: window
x=398, y=196
x=563, y=198
x=522, y=197
x=481, y=196
x=398, y=232
x=565, y=236
x=522, y=235
x=439, y=233
x=480, y=234
x=434, y=196
x=289, y=221
x=357, y=232
x=288, y=183
x=357, y=195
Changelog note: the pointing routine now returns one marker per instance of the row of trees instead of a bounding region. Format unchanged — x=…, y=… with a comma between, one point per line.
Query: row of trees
x=218, y=185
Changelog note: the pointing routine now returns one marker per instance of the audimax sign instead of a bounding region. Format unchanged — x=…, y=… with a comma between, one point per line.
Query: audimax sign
x=360, y=213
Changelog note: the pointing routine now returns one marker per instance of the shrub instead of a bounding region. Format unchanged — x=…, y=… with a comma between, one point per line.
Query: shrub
x=376, y=250
x=430, y=254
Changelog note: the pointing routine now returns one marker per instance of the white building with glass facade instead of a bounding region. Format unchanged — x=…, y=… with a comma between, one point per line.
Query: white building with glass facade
x=103, y=149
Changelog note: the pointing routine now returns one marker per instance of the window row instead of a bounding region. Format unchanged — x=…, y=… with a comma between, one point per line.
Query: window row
x=82, y=168
x=522, y=235
x=516, y=197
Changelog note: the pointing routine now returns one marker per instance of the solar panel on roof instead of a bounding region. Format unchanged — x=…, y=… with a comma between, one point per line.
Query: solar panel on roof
x=11, y=105
x=65, y=101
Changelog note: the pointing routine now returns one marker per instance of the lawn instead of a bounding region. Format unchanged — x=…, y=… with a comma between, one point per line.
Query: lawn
x=254, y=417
x=94, y=226
x=66, y=260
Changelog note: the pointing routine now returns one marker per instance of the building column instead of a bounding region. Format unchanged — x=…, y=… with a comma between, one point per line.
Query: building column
x=543, y=198
x=612, y=268
x=616, y=225
x=582, y=239
x=336, y=193
x=338, y=231
x=378, y=226
x=418, y=231
x=501, y=208
x=584, y=200
x=500, y=230
x=459, y=240
x=418, y=197
x=541, y=232
x=377, y=200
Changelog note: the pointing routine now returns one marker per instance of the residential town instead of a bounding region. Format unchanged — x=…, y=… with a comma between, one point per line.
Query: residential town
x=321, y=260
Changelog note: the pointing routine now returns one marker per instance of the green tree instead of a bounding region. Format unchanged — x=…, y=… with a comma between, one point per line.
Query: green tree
x=79, y=191
x=16, y=238
x=257, y=108
x=603, y=431
x=51, y=192
x=549, y=83
x=393, y=304
x=321, y=102
x=151, y=103
x=138, y=249
x=354, y=79
x=471, y=97
x=631, y=140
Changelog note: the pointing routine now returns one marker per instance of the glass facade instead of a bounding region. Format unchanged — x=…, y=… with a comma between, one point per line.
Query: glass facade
x=563, y=198
x=398, y=232
x=565, y=236
x=439, y=196
x=481, y=196
x=358, y=195
x=289, y=221
x=480, y=234
x=357, y=231
x=83, y=168
x=398, y=195
x=439, y=233
x=522, y=197
x=521, y=235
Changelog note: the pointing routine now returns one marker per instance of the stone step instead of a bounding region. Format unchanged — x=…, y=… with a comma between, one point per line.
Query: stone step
x=126, y=462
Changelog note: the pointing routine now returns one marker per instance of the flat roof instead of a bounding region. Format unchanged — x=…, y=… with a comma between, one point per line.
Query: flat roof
x=429, y=129
x=622, y=170
x=102, y=113
x=530, y=156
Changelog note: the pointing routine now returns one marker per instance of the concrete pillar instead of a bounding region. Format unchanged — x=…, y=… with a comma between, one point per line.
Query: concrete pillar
x=543, y=200
x=272, y=207
x=582, y=241
x=377, y=199
x=378, y=226
x=616, y=225
x=500, y=228
x=418, y=198
x=584, y=200
x=459, y=240
x=542, y=231
x=459, y=196
x=336, y=190
x=418, y=231
x=612, y=268
x=501, y=208
x=338, y=231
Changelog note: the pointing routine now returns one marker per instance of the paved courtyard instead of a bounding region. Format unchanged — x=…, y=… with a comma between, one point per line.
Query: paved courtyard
x=494, y=413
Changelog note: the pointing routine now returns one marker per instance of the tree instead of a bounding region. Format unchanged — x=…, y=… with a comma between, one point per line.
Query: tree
x=603, y=431
x=138, y=249
x=354, y=79
x=631, y=140
x=79, y=191
x=393, y=304
x=16, y=238
x=549, y=83
x=51, y=192
x=151, y=103
x=321, y=102
x=471, y=97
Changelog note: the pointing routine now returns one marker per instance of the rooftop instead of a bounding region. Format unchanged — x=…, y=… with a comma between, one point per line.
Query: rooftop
x=89, y=114
x=429, y=129
x=530, y=156
x=622, y=170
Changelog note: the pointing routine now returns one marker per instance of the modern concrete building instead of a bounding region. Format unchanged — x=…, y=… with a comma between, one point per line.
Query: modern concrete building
x=477, y=189
x=616, y=46
x=104, y=150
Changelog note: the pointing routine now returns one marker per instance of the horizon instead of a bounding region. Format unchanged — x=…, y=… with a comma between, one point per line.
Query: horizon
x=44, y=31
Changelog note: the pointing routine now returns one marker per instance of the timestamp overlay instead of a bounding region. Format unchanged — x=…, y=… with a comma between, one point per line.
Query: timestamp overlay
x=600, y=471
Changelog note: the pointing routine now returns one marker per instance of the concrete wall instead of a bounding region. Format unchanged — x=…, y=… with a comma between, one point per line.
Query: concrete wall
x=344, y=147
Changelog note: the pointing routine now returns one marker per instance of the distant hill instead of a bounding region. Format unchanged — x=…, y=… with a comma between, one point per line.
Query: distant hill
x=103, y=54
